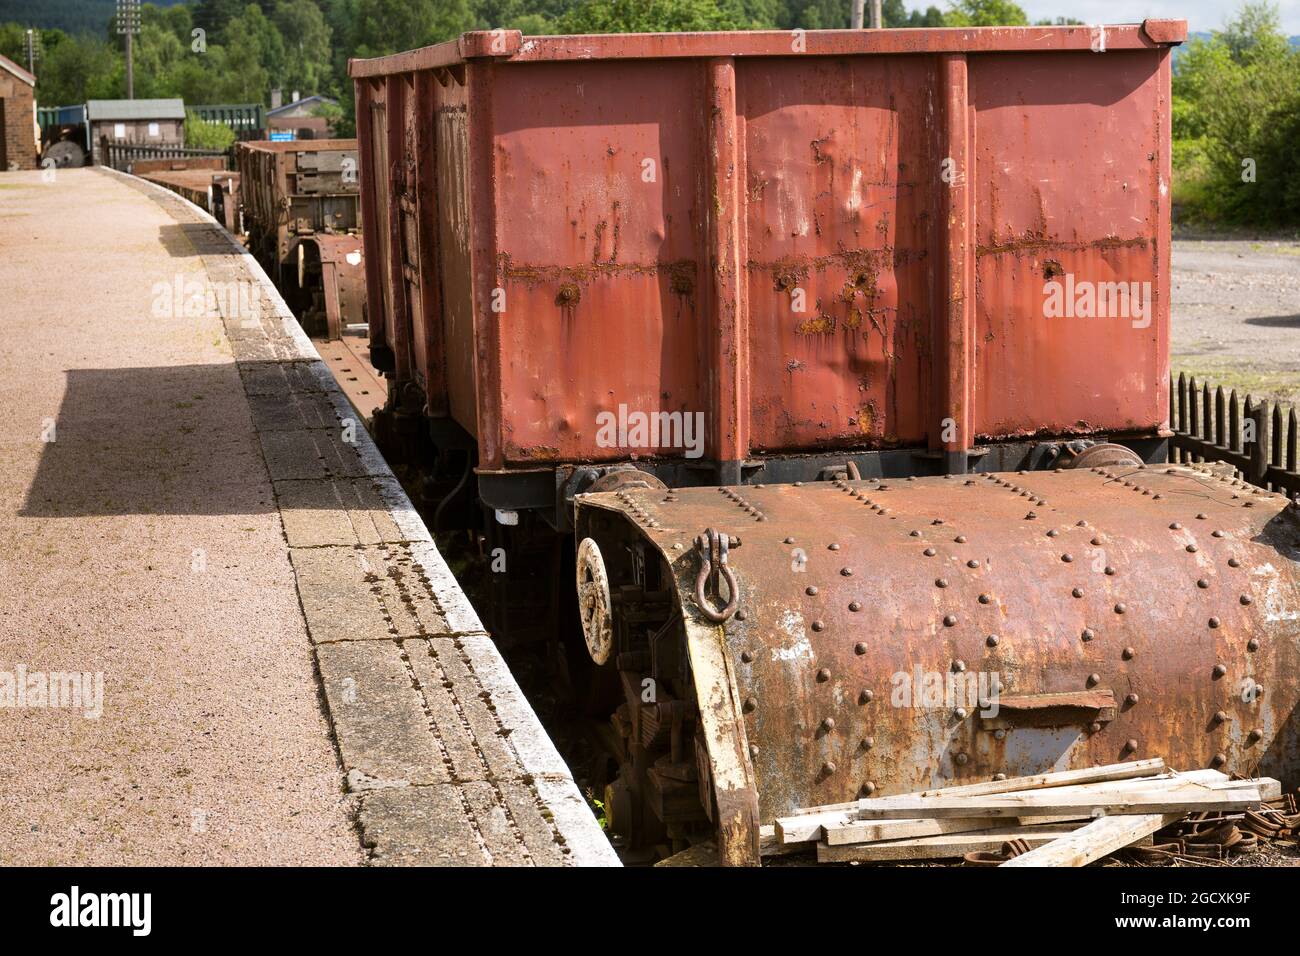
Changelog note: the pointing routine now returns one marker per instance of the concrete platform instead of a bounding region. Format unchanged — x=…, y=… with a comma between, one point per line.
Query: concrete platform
x=190, y=508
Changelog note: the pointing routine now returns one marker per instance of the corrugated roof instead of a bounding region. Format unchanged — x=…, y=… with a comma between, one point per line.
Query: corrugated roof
x=136, y=109
x=17, y=70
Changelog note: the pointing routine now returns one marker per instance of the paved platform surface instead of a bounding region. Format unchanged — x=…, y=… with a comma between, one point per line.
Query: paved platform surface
x=190, y=508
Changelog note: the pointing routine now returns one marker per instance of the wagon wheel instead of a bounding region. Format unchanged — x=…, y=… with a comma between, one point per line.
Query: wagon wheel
x=594, y=607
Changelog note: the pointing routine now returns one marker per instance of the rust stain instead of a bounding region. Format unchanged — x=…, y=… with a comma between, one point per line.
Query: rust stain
x=681, y=271
x=1038, y=242
x=822, y=325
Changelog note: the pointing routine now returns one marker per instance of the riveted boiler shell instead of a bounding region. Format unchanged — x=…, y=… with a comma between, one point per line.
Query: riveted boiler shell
x=1174, y=591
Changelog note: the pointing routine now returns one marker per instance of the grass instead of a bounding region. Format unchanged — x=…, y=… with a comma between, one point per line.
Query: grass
x=1279, y=386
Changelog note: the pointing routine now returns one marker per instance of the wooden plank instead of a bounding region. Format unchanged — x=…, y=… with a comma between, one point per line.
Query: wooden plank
x=837, y=831
x=702, y=854
x=805, y=828
x=1095, y=840
x=1185, y=798
x=1100, y=789
x=943, y=846
x=1269, y=789
x=872, y=831
x=769, y=844
x=1058, y=778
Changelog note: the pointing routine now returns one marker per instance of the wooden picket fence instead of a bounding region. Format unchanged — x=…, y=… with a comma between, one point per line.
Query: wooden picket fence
x=1258, y=439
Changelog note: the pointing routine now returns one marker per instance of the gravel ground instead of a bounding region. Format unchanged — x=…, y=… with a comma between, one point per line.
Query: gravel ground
x=1236, y=314
x=143, y=543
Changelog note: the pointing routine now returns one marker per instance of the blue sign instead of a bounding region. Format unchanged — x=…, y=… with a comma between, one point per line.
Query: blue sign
x=282, y=136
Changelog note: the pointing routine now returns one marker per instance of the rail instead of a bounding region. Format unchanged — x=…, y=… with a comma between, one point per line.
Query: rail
x=121, y=156
x=1258, y=439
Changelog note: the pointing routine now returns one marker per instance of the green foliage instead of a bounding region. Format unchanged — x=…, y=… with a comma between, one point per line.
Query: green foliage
x=306, y=45
x=70, y=16
x=387, y=26
x=200, y=134
x=984, y=13
x=655, y=16
x=1236, y=116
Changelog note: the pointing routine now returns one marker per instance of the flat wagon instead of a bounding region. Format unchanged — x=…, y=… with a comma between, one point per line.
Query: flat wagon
x=302, y=213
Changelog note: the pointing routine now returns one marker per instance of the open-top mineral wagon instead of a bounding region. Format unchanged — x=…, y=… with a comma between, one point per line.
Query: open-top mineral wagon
x=844, y=355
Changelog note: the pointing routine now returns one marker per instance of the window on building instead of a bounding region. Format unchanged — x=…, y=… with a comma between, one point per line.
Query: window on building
x=153, y=131
x=119, y=131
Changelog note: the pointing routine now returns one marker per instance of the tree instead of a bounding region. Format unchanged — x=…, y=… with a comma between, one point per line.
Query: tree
x=985, y=13
x=660, y=16
x=213, y=15
x=1236, y=109
x=252, y=35
x=389, y=26
x=200, y=134
x=77, y=69
x=306, y=46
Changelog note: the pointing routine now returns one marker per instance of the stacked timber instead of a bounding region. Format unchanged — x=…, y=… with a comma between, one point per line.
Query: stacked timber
x=1066, y=818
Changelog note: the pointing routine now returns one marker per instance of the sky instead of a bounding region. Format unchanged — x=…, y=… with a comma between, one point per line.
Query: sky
x=1201, y=15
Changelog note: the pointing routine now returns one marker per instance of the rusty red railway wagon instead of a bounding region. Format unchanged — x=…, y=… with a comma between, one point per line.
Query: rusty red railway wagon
x=833, y=244
x=302, y=216
x=845, y=356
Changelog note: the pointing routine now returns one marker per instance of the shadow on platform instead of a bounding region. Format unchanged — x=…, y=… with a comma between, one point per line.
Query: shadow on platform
x=172, y=440
x=185, y=239
x=1276, y=321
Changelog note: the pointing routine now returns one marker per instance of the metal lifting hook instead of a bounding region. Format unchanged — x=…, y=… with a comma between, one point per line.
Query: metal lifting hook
x=712, y=547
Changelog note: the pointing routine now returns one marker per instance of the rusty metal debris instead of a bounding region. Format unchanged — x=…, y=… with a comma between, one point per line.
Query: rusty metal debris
x=1113, y=613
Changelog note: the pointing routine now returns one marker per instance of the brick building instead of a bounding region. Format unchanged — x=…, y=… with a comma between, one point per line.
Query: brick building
x=136, y=123
x=17, y=116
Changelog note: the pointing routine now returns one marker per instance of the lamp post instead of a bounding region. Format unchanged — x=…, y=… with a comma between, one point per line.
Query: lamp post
x=32, y=41
x=128, y=25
